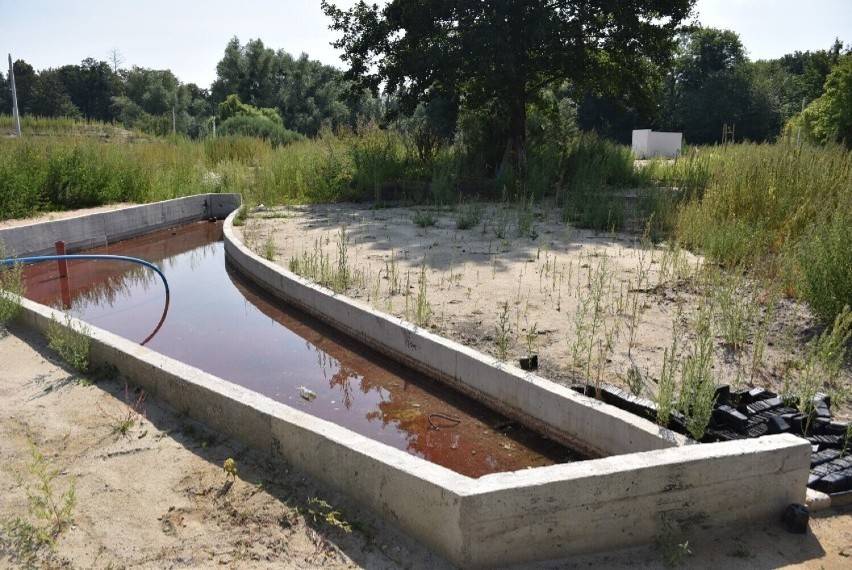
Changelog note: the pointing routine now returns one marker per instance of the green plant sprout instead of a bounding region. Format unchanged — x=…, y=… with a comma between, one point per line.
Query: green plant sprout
x=71, y=344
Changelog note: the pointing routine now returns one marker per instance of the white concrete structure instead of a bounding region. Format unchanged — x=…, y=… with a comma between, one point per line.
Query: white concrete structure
x=95, y=230
x=648, y=144
x=644, y=473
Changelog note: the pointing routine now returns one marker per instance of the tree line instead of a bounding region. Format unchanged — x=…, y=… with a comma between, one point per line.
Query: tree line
x=701, y=78
x=304, y=94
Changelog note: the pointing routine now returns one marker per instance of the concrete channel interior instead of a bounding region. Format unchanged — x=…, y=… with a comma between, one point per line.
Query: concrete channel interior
x=644, y=473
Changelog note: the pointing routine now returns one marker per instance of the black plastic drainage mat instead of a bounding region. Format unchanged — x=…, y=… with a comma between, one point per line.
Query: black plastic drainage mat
x=745, y=414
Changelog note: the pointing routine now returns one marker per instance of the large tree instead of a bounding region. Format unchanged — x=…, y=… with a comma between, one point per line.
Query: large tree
x=305, y=92
x=91, y=87
x=829, y=117
x=49, y=97
x=503, y=53
x=798, y=78
x=25, y=80
x=713, y=83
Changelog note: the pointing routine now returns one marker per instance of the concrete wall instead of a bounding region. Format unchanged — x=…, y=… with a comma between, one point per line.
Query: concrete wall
x=94, y=230
x=583, y=423
x=535, y=514
x=504, y=518
x=647, y=143
x=420, y=497
x=620, y=501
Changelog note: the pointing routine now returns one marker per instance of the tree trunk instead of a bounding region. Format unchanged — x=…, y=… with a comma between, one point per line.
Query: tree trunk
x=514, y=155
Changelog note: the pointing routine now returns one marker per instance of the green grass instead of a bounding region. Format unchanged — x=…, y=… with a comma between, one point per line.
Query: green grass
x=776, y=205
x=71, y=344
x=763, y=207
x=11, y=286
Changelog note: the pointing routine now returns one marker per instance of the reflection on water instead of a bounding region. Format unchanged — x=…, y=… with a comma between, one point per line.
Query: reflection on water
x=219, y=323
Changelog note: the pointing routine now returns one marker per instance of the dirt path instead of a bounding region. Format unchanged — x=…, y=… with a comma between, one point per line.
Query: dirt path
x=151, y=491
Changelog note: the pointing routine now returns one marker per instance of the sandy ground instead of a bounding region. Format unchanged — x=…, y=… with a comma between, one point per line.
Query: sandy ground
x=539, y=291
x=157, y=496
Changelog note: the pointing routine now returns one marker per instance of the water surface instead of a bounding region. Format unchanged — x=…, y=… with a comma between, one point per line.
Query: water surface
x=221, y=324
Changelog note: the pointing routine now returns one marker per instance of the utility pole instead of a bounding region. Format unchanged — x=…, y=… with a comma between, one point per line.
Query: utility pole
x=14, y=98
x=174, y=124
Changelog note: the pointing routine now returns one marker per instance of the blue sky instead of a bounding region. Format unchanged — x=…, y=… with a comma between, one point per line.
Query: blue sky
x=189, y=36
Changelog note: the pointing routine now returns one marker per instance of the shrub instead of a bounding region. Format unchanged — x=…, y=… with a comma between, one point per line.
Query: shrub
x=260, y=127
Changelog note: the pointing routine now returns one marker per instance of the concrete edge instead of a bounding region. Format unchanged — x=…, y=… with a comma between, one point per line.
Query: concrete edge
x=420, y=497
x=817, y=501
x=92, y=230
x=580, y=422
x=617, y=502
x=536, y=514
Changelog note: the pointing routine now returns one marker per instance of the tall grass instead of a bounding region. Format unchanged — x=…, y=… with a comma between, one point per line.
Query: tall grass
x=736, y=204
x=779, y=203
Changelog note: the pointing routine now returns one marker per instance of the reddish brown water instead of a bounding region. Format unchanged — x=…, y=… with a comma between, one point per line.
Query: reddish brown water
x=219, y=323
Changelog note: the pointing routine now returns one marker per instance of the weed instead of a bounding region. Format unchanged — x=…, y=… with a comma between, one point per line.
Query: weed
x=423, y=311
x=121, y=423
x=824, y=259
x=847, y=440
x=635, y=382
x=11, y=286
x=762, y=329
x=424, y=218
x=317, y=266
x=499, y=222
x=50, y=511
x=526, y=216
x=230, y=468
x=269, y=247
x=742, y=550
x=633, y=317
x=823, y=363
x=469, y=214
x=242, y=215
x=672, y=553
x=344, y=275
x=698, y=389
x=531, y=334
x=737, y=308
x=599, y=280
x=503, y=329
x=71, y=344
x=392, y=275
x=581, y=341
x=320, y=511
x=668, y=380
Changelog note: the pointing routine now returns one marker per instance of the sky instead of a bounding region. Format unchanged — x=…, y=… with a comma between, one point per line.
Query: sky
x=189, y=36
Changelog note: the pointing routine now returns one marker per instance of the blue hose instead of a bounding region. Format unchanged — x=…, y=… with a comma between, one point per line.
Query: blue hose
x=73, y=257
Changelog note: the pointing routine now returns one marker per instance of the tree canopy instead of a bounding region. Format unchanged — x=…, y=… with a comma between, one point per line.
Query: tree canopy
x=304, y=92
x=713, y=83
x=481, y=72
x=829, y=117
x=504, y=52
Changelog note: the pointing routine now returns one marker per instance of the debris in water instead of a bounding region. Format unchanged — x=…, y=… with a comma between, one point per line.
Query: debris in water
x=432, y=425
x=307, y=393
